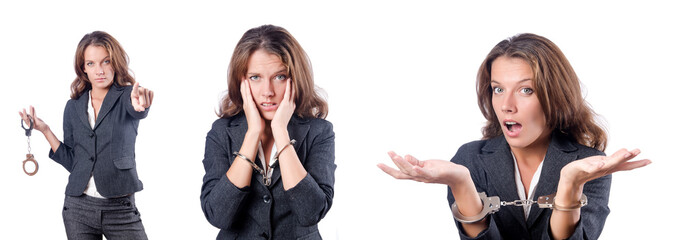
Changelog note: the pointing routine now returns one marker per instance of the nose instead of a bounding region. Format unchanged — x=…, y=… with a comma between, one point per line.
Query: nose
x=509, y=103
x=268, y=88
x=99, y=70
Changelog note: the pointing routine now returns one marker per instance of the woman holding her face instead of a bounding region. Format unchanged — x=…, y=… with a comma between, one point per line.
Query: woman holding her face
x=100, y=128
x=269, y=159
x=541, y=138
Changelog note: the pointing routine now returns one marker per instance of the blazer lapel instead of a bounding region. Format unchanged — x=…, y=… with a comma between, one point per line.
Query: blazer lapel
x=237, y=131
x=559, y=153
x=82, y=109
x=298, y=129
x=499, y=164
x=109, y=100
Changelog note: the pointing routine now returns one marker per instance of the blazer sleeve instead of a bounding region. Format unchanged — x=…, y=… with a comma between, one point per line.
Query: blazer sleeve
x=220, y=199
x=465, y=156
x=593, y=215
x=311, y=198
x=129, y=105
x=64, y=153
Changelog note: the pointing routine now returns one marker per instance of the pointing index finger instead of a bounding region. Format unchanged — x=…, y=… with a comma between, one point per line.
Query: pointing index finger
x=135, y=88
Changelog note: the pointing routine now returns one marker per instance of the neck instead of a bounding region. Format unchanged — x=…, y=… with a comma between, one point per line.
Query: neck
x=266, y=137
x=534, y=153
x=99, y=93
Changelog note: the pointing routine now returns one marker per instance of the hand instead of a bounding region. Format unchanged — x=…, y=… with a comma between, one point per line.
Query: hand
x=141, y=98
x=255, y=122
x=428, y=171
x=285, y=110
x=38, y=123
x=456, y=176
x=577, y=173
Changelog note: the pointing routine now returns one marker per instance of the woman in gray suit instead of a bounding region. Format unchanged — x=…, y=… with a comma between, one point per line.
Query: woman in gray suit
x=541, y=142
x=100, y=128
x=269, y=159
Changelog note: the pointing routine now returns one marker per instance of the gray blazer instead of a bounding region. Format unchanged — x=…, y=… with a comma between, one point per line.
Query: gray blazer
x=260, y=212
x=106, y=151
x=492, y=170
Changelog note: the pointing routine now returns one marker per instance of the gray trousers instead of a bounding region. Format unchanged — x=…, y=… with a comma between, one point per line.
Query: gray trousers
x=88, y=217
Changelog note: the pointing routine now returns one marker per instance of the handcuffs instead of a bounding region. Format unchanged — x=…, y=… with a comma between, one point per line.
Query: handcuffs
x=492, y=205
x=267, y=172
x=29, y=156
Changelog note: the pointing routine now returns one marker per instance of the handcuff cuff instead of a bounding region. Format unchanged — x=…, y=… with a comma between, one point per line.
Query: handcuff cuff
x=267, y=172
x=492, y=205
x=29, y=156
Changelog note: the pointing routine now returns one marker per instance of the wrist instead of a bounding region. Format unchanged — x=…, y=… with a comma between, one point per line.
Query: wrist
x=457, y=179
x=568, y=183
x=281, y=137
x=44, y=130
x=278, y=131
x=253, y=133
x=568, y=192
x=278, y=128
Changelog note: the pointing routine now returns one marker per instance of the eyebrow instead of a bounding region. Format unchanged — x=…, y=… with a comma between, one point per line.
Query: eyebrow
x=523, y=80
x=105, y=58
x=283, y=70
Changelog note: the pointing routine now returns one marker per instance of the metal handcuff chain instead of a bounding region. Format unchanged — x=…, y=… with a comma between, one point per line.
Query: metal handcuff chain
x=492, y=205
x=29, y=156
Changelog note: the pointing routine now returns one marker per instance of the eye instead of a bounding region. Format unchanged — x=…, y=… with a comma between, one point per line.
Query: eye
x=107, y=61
x=497, y=90
x=254, y=78
x=89, y=63
x=281, y=77
x=527, y=91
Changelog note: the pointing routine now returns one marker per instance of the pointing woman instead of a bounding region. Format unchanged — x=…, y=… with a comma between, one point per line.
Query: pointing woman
x=100, y=128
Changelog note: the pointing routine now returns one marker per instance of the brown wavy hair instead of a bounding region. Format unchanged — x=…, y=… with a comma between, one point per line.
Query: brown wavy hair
x=119, y=61
x=278, y=41
x=556, y=85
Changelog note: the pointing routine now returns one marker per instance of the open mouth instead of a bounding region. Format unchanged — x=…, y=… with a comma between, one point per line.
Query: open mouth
x=512, y=126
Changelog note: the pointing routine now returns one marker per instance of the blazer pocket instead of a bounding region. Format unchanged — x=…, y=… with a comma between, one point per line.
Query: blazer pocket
x=124, y=163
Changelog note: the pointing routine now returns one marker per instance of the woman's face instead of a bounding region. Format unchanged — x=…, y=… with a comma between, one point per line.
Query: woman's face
x=516, y=105
x=98, y=67
x=267, y=76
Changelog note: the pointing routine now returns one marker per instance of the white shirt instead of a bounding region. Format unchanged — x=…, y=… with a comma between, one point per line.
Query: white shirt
x=261, y=156
x=533, y=184
x=91, y=189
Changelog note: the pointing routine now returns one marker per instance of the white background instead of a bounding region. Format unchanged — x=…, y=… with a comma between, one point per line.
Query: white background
x=398, y=77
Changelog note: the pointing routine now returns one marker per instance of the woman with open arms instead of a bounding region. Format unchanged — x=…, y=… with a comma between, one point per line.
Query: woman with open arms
x=541, y=138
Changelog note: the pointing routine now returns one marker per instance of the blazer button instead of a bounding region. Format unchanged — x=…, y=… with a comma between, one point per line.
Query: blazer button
x=92, y=134
x=266, y=198
x=264, y=235
x=92, y=159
